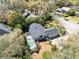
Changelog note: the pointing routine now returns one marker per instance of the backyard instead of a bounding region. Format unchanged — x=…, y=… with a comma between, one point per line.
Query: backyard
x=45, y=46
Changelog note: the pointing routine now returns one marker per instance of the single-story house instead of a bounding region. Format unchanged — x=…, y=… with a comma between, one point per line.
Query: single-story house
x=38, y=32
x=65, y=9
x=26, y=13
x=4, y=29
x=32, y=16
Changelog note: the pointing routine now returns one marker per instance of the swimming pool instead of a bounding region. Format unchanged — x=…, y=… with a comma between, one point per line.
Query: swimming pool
x=31, y=43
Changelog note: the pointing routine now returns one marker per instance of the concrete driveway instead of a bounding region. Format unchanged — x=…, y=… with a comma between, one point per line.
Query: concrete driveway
x=69, y=26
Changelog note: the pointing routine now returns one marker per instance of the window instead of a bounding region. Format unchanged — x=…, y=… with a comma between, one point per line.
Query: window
x=41, y=36
x=35, y=27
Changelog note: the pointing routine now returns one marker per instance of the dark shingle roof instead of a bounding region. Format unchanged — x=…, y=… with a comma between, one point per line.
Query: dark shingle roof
x=36, y=30
x=4, y=28
x=52, y=32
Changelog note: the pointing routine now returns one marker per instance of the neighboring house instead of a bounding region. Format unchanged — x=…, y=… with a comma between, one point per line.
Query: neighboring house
x=52, y=32
x=26, y=13
x=32, y=16
x=4, y=29
x=2, y=1
x=37, y=31
x=64, y=9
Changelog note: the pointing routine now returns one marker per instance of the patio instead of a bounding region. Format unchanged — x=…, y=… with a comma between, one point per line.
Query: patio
x=45, y=46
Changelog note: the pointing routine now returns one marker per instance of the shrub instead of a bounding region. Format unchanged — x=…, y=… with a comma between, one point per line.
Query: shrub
x=47, y=55
x=65, y=15
x=47, y=16
x=34, y=20
x=54, y=48
x=40, y=19
x=71, y=12
x=15, y=19
x=36, y=50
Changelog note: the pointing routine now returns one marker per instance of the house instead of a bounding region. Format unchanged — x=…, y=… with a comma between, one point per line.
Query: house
x=32, y=16
x=37, y=31
x=26, y=13
x=2, y=1
x=4, y=29
x=52, y=32
x=63, y=9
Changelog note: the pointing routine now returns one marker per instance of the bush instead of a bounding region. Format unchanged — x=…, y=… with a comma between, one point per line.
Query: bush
x=34, y=20
x=71, y=12
x=61, y=3
x=54, y=48
x=47, y=55
x=31, y=20
x=16, y=19
x=40, y=19
x=36, y=50
x=65, y=15
x=47, y=16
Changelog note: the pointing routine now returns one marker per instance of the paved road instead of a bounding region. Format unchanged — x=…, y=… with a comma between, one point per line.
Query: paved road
x=69, y=26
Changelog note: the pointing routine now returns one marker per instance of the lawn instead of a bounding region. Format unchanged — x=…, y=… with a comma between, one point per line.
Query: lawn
x=73, y=19
x=50, y=24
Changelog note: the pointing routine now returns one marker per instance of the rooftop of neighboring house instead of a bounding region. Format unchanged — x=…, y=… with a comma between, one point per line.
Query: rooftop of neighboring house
x=26, y=13
x=65, y=9
x=5, y=27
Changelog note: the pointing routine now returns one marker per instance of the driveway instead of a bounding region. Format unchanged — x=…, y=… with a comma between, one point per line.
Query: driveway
x=45, y=46
x=69, y=26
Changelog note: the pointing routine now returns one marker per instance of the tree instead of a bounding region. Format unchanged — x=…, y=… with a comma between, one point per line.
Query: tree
x=71, y=12
x=47, y=16
x=13, y=46
x=60, y=3
x=47, y=55
x=16, y=19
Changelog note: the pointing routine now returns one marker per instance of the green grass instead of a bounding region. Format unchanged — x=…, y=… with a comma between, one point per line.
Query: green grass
x=73, y=19
x=47, y=55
